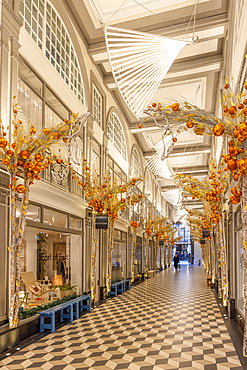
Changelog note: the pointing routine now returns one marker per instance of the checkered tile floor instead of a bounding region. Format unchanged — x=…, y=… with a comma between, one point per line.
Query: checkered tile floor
x=171, y=321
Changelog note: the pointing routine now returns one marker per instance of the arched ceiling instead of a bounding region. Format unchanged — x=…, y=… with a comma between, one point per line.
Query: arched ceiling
x=194, y=75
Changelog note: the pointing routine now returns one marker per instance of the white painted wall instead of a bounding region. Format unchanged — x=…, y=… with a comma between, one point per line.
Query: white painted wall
x=197, y=253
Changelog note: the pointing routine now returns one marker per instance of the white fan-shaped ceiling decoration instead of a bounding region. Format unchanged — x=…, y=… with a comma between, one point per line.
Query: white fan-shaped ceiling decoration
x=139, y=63
x=158, y=165
x=172, y=196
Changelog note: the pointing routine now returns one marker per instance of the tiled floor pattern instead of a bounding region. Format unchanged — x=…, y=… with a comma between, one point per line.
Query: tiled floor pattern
x=171, y=321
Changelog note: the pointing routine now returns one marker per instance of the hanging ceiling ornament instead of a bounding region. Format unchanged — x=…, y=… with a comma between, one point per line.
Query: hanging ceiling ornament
x=139, y=61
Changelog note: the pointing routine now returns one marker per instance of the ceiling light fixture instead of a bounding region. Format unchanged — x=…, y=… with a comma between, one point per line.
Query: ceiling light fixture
x=139, y=62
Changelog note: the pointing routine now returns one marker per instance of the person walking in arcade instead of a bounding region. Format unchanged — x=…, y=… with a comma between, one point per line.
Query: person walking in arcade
x=176, y=261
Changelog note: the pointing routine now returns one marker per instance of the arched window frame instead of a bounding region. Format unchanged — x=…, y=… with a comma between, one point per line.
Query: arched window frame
x=43, y=23
x=116, y=135
x=135, y=164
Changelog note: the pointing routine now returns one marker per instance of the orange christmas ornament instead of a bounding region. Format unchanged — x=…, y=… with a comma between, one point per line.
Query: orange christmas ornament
x=175, y=106
x=24, y=154
x=232, y=165
x=56, y=135
x=46, y=131
x=3, y=142
x=10, y=153
x=218, y=129
x=189, y=124
x=21, y=188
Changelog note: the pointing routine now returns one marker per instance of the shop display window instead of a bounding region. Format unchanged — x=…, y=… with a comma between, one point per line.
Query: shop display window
x=119, y=255
x=138, y=255
x=240, y=270
x=45, y=254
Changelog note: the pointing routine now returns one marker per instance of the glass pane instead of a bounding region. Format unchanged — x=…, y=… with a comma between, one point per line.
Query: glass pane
x=56, y=105
x=75, y=223
x=119, y=261
x=51, y=118
x=240, y=271
x=55, y=218
x=30, y=108
x=28, y=76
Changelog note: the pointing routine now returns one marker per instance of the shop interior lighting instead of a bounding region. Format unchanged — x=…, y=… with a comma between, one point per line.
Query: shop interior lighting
x=140, y=62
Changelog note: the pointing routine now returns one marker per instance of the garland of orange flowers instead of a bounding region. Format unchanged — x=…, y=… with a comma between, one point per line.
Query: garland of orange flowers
x=23, y=155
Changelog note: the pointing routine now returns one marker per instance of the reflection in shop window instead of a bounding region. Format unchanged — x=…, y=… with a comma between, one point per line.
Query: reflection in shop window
x=54, y=218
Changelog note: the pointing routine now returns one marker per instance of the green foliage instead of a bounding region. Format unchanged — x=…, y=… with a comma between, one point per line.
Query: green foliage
x=33, y=311
x=41, y=252
x=67, y=287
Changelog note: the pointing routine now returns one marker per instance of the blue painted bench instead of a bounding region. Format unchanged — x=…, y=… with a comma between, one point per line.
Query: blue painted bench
x=126, y=285
x=119, y=287
x=69, y=314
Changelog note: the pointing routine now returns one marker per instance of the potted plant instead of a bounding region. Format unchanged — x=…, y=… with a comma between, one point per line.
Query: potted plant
x=67, y=289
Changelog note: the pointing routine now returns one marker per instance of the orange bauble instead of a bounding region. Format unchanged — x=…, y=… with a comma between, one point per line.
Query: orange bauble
x=245, y=102
x=226, y=86
x=154, y=105
x=175, y=106
x=140, y=126
x=36, y=170
x=3, y=142
x=232, y=165
x=227, y=157
x=56, y=135
x=46, y=131
x=10, y=153
x=5, y=161
x=233, y=109
x=24, y=154
x=65, y=139
x=21, y=188
x=174, y=139
x=245, y=111
x=234, y=199
x=218, y=129
x=189, y=124
x=240, y=106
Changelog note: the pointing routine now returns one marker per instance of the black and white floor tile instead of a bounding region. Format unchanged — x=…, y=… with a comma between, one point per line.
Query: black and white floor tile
x=171, y=321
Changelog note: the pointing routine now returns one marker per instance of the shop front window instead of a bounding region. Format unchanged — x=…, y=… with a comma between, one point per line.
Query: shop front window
x=240, y=270
x=45, y=254
x=119, y=256
x=138, y=256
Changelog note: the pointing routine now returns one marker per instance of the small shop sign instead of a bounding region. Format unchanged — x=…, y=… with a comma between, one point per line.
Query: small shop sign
x=101, y=222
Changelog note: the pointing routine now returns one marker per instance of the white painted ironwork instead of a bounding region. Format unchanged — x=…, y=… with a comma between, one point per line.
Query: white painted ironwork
x=139, y=62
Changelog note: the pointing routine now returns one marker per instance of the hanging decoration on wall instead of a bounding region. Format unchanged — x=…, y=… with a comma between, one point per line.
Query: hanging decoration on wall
x=139, y=62
x=23, y=152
